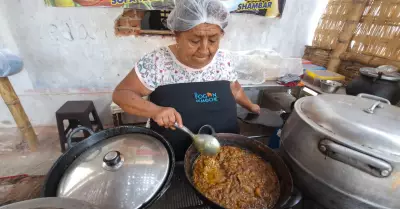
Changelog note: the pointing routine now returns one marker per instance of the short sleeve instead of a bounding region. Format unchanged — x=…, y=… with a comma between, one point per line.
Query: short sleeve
x=146, y=70
x=232, y=75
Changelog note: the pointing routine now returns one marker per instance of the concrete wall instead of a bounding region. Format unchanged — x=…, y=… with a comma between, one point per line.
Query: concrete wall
x=72, y=53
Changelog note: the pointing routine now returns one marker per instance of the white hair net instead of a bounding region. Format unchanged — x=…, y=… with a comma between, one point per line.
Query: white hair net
x=187, y=14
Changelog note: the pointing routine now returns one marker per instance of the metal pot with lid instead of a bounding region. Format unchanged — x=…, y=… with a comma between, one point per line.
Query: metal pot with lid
x=388, y=73
x=383, y=81
x=344, y=151
x=123, y=167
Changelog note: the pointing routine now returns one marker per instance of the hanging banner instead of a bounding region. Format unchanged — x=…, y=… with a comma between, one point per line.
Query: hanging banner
x=267, y=8
x=270, y=8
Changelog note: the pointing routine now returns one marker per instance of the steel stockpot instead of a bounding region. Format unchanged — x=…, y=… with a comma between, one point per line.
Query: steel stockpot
x=344, y=151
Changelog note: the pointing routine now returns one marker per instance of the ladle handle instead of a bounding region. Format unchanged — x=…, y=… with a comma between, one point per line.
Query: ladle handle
x=203, y=129
x=185, y=129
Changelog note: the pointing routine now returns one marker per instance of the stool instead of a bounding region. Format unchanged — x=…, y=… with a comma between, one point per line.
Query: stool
x=77, y=113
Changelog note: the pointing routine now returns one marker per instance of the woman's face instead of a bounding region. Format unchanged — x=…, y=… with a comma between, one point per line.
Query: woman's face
x=197, y=47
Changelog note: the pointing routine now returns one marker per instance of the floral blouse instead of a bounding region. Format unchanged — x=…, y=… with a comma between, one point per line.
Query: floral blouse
x=161, y=67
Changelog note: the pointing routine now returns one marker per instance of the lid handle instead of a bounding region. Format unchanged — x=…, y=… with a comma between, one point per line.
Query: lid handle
x=112, y=158
x=372, y=97
x=371, y=110
x=369, y=164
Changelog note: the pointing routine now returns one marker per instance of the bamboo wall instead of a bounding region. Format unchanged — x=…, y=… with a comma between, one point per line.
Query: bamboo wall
x=331, y=24
x=378, y=33
x=374, y=41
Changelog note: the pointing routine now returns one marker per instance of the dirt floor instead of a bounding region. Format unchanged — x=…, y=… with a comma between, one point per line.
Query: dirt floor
x=16, y=157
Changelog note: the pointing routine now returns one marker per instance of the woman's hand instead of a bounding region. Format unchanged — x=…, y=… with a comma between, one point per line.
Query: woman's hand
x=167, y=117
x=242, y=99
x=254, y=108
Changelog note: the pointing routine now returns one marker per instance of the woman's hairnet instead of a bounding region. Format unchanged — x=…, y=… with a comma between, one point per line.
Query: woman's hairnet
x=187, y=14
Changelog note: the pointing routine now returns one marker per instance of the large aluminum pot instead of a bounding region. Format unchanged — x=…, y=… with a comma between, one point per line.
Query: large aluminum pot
x=344, y=151
x=50, y=203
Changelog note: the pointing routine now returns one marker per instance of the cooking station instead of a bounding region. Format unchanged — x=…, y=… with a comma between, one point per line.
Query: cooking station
x=181, y=195
x=327, y=153
x=301, y=139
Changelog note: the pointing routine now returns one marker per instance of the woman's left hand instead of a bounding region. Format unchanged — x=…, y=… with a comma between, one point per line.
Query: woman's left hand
x=254, y=108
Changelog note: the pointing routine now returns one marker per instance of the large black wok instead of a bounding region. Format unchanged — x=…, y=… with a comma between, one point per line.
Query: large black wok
x=289, y=196
x=62, y=164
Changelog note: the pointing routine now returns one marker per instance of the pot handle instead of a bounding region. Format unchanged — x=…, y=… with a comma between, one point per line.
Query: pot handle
x=294, y=199
x=372, y=97
x=203, y=130
x=258, y=137
x=371, y=165
x=73, y=132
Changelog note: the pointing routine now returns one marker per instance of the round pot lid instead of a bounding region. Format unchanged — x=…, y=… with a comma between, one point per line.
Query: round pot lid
x=354, y=121
x=374, y=73
x=51, y=203
x=121, y=172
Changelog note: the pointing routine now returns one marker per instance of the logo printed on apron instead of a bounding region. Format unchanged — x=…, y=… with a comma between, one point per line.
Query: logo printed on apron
x=206, y=98
x=198, y=103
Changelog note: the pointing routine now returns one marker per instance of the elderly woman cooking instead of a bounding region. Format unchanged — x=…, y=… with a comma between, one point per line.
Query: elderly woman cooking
x=190, y=82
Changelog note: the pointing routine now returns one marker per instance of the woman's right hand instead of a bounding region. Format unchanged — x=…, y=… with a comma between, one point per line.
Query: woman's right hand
x=167, y=117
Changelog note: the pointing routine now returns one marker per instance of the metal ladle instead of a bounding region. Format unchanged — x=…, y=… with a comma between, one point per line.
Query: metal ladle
x=204, y=143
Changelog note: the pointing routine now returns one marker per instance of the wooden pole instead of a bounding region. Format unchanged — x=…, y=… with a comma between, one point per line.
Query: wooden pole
x=347, y=34
x=14, y=105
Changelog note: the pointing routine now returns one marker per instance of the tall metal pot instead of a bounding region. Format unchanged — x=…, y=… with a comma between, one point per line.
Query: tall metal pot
x=344, y=151
x=378, y=84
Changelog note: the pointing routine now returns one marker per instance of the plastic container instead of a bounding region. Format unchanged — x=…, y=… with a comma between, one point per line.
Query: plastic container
x=312, y=67
x=291, y=66
x=257, y=66
x=10, y=64
x=254, y=66
x=315, y=76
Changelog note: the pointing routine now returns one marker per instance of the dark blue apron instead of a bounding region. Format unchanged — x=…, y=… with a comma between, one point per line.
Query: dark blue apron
x=199, y=104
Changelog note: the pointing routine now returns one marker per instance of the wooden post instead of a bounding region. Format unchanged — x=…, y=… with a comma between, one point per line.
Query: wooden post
x=347, y=34
x=14, y=105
